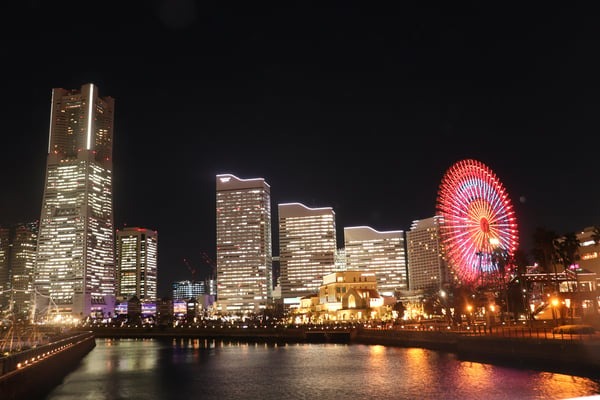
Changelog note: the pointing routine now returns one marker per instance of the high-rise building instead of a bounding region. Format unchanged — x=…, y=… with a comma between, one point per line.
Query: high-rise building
x=244, y=246
x=75, y=266
x=307, y=250
x=4, y=268
x=380, y=252
x=426, y=267
x=23, y=243
x=18, y=244
x=137, y=263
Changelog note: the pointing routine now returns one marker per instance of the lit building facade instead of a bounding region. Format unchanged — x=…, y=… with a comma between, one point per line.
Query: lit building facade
x=589, y=253
x=380, y=252
x=4, y=268
x=185, y=290
x=307, y=250
x=244, y=244
x=75, y=267
x=427, y=270
x=137, y=264
x=18, y=244
x=344, y=296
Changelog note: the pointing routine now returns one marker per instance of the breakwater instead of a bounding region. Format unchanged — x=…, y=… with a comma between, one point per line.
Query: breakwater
x=31, y=373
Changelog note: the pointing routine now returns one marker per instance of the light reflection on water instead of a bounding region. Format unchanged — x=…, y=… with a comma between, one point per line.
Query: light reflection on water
x=205, y=369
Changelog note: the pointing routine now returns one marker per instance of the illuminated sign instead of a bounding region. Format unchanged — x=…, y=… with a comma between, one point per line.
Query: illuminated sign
x=179, y=307
x=148, y=308
x=121, y=308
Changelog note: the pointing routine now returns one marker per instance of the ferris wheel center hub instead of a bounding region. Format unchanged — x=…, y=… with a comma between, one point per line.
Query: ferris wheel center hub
x=485, y=225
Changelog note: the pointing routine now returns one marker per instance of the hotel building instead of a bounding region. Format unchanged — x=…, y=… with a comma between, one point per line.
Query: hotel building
x=426, y=267
x=17, y=261
x=137, y=264
x=307, y=250
x=75, y=268
x=244, y=246
x=380, y=252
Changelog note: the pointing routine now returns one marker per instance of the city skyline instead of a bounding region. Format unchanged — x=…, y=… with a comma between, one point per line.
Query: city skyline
x=355, y=108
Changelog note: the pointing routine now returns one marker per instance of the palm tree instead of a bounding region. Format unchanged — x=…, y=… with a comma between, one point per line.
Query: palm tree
x=544, y=250
x=568, y=247
x=545, y=253
x=502, y=259
x=521, y=261
x=596, y=234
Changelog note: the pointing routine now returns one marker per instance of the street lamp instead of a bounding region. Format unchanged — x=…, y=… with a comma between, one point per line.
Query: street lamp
x=554, y=303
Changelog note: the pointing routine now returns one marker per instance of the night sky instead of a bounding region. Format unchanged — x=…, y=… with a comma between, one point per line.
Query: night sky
x=361, y=108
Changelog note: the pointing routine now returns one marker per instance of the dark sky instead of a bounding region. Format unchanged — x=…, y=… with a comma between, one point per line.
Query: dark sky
x=358, y=107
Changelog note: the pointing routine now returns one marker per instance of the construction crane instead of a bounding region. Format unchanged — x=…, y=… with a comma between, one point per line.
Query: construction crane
x=192, y=270
x=213, y=266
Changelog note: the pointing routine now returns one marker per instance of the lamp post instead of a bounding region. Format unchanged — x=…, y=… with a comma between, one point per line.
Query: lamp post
x=554, y=304
x=469, y=313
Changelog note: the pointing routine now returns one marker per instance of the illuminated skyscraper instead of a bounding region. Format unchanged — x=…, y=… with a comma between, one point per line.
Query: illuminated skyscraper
x=18, y=244
x=137, y=263
x=75, y=260
x=23, y=245
x=307, y=250
x=244, y=247
x=4, y=268
x=379, y=252
x=426, y=267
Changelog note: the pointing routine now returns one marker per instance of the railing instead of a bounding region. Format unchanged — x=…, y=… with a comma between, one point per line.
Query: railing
x=517, y=332
x=28, y=357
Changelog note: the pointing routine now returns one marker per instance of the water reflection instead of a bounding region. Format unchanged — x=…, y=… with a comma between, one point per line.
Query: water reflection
x=208, y=369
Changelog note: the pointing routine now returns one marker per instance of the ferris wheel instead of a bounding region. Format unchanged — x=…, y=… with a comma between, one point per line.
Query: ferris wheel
x=477, y=219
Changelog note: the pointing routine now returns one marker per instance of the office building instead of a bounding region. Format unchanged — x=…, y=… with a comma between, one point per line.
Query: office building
x=137, y=264
x=307, y=250
x=244, y=246
x=185, y=290
x=380, y=252
x=75, y=266
x=4, y=268
x=427, y=270
x=18, y=245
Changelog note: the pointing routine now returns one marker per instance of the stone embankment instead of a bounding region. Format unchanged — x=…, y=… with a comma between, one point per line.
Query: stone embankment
x=570, y=354
x=30, y=374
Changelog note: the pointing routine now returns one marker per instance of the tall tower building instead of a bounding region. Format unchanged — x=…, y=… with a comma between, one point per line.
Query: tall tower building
x=17, y=261
x=426, y=267
x=380, y=252
x=244, y=244
x=137, y=264
x=75, y=267
x=5, y=278
x=307, y=250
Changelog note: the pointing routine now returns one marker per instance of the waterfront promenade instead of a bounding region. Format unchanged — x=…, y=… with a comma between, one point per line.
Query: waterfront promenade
x=32, y=372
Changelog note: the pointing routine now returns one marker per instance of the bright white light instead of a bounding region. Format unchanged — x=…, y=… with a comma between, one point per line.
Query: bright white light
x=90, y=116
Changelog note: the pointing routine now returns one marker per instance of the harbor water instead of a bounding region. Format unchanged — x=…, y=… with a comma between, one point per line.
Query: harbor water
x=210, y=369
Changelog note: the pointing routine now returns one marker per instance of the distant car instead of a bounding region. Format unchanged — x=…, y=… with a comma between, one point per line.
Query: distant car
x=574, y=329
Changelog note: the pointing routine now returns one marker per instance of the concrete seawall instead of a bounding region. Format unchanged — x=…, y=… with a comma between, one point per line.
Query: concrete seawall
x=31, y=374
x=570, y=356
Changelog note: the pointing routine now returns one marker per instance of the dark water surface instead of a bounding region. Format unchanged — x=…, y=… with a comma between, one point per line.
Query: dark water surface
x=147, y=369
